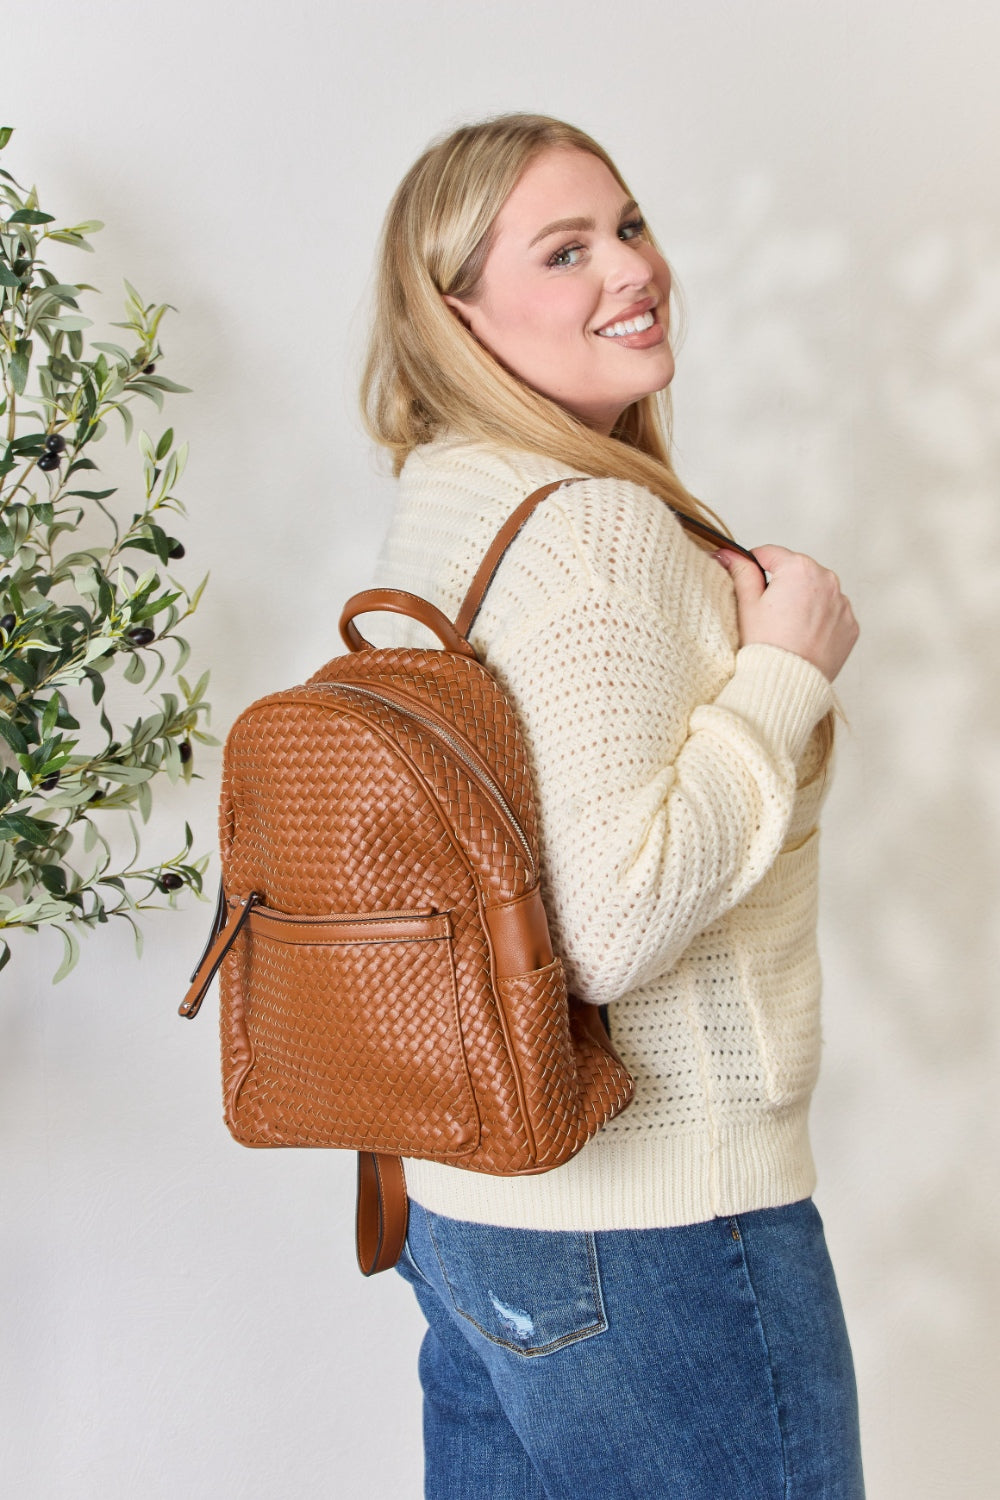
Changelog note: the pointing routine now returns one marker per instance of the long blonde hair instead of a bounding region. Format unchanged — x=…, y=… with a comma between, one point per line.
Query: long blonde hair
x=426, y=374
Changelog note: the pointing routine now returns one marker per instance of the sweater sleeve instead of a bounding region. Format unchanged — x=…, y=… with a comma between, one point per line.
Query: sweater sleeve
x=664, y=758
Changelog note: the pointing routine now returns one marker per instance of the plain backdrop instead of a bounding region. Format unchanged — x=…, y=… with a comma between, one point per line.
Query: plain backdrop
x=181, y=1317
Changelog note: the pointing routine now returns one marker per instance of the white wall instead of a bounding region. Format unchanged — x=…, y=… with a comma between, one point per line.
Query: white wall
x=181, y=1317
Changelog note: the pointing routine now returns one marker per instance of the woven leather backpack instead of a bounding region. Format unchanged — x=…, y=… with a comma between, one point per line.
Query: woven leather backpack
x=388, y=984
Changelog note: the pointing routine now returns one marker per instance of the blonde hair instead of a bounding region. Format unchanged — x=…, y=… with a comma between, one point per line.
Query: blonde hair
x=426, y=374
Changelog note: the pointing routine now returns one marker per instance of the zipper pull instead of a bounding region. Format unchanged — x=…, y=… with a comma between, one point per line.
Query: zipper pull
x=210, y=962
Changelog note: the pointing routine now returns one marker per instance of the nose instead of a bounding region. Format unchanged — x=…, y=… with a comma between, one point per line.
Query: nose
x=628, y=268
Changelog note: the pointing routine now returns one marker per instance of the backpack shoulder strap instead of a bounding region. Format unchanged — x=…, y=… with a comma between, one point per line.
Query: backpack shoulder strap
x=473, y=602
x=511, y=528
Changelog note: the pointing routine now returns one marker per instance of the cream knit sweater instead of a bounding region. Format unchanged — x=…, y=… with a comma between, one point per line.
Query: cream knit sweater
x=678, y=834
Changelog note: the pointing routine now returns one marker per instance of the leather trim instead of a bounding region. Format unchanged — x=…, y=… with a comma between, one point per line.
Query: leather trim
x=472, y=603
x=519, y=934
x=331, y=931
x=399, y=602
x=473, y=600
x=215, y=953
x=383, y=1212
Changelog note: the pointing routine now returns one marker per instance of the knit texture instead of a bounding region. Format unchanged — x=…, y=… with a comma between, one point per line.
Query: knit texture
x=674, y=776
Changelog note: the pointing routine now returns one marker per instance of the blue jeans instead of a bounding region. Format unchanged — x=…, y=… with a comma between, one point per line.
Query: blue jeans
x=707, y=1362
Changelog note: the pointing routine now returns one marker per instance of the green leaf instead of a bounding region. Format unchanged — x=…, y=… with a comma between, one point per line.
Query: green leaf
x=51, y=715
x=53, y=878
x=115, y=349
x=30, y=829
x=31, y=442
x=31, y=216
x=136, y=931
x=71, y=322
x=4, y=945
x=6, y=131
x=22, y=670
x=136, y=669
x=145, y=800
x=71, y=955
x=146, y=388
x=19, y=366
x=164, y=445
x=125, y=775
x=161, y=383
x=7, y=277
x=13, y=736
x=66, y=237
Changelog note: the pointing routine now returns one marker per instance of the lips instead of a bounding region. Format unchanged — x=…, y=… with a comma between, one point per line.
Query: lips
x=634, y=319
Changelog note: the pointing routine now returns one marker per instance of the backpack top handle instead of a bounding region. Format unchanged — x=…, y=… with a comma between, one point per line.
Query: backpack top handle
x=399, y=602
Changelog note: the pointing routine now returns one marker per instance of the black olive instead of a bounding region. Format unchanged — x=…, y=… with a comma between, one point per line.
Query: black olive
x=140, y=635
x=149, y=370
x=48, y=461
x=7, y=623
x=185, y=751
x=55, y=442
x=176, y=550
x=170, y=881
x=50, y=782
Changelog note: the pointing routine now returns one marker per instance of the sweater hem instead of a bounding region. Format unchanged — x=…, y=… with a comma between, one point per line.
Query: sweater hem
x=619, y=1182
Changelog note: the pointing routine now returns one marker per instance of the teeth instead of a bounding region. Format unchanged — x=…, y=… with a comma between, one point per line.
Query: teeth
x=631, y=325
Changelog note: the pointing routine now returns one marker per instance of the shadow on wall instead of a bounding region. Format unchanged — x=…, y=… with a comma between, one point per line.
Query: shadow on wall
x=849, y=394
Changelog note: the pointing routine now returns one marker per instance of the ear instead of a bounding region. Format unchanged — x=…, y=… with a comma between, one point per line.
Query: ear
x=460, y=309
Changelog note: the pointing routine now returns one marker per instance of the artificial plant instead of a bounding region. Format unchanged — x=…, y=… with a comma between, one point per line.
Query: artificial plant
x=88, y=601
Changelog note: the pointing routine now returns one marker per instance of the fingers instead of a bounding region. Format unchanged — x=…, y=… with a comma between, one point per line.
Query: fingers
x=803, y=610
x=748, y=581
x=772, y=558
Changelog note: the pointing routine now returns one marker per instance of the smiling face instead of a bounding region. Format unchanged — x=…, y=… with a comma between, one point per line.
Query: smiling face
x=573, y=298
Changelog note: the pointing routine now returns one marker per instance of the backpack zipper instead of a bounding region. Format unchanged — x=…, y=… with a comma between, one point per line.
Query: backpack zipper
x=478, y=772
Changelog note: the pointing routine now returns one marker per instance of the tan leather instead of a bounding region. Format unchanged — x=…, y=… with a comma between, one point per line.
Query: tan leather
x=216, y=951
x=393, y=927
x=387, y=979
x=399, y=602
x=383, y=1210
x=485, y=573
x=519, y=934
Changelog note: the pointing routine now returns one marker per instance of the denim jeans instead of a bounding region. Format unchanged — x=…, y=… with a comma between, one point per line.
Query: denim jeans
x=707, y=1362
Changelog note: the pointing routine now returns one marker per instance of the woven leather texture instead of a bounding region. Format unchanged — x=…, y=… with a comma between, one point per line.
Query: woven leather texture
x=336, y=804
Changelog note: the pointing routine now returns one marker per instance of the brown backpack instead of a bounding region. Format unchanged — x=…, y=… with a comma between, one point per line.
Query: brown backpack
x=388, y=984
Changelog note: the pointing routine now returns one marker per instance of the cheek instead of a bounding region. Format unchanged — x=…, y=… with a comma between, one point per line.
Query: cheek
x=661, y=273
x=547, y=316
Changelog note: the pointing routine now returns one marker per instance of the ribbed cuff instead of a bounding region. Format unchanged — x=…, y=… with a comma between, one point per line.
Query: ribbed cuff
x=782, y=695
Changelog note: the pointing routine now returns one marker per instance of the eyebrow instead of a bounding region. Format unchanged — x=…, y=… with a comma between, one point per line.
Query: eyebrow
x=563, y=226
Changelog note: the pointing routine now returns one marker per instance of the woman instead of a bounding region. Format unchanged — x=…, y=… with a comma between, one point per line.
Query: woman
x=659, y=1316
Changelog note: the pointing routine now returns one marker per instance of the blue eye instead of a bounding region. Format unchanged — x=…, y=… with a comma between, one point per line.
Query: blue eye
x=567, y=256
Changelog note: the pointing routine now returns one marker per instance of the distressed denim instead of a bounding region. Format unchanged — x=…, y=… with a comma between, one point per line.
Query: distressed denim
x=707, y=1362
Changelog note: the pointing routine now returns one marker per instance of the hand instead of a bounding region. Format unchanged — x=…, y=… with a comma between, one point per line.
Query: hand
x=801, y=610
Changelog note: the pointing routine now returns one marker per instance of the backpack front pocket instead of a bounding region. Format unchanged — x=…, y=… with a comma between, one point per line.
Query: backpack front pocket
x=351, y=1038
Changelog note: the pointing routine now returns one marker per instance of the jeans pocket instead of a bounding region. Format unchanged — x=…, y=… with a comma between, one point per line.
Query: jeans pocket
x=530, y=1291
x=407, y=1267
